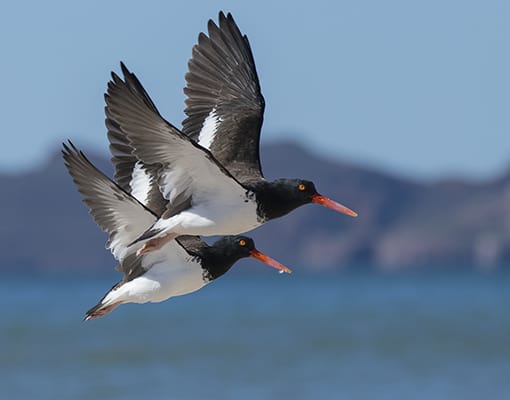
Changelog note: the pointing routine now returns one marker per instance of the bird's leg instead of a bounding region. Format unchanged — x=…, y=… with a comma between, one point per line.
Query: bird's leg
x=155, y=244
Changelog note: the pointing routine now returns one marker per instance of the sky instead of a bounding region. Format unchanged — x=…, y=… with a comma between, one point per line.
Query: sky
x=415, y=88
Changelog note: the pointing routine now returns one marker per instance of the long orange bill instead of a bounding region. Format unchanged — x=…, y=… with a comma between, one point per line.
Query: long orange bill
x=324, y=201
x=269, y=261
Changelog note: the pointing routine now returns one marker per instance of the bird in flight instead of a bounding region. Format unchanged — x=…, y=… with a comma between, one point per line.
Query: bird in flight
x=179, y=267
x=209, y=174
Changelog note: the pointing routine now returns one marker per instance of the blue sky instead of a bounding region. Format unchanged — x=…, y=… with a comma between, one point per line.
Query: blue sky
x=416, y=88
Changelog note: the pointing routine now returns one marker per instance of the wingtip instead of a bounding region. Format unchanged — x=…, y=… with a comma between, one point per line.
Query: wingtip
x=124, y=69
x=230, y=18
x=68, y=148
x=70, y=152
x=227, y=21
x=211, y=26
x=115, y=80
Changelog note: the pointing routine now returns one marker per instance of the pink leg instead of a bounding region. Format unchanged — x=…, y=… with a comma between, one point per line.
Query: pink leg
x=155, y=244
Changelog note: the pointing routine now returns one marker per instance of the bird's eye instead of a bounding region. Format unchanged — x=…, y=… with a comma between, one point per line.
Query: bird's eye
x=301, y=187
x=242, y=242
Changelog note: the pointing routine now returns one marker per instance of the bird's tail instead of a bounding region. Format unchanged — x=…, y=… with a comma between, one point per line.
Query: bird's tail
x=106, y=305
x=100, y=310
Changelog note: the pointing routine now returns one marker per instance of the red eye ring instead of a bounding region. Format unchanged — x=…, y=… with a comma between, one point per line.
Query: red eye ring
x=301, y=187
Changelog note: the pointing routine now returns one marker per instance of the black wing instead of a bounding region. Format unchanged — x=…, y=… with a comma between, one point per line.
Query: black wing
x=224, y=104
x=116, y=212
x=187, y=168
x=135, y=177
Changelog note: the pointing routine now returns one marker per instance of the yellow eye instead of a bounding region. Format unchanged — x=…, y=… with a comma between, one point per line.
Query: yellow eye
x=242, y=242
x=301, y=187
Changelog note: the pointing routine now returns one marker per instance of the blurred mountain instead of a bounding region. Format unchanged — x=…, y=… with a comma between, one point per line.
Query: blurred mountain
x=401, y=224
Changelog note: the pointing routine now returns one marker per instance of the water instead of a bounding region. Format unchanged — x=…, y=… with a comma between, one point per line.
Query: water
x=428, y=336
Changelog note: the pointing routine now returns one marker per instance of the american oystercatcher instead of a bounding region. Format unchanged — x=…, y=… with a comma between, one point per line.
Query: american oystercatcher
x=203, y=197
x=225, y=110
x=180, y=266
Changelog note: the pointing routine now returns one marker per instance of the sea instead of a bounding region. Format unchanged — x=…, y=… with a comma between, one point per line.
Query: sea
x=355, y=335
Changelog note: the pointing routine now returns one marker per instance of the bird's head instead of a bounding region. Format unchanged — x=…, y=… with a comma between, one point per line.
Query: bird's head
x=284, y=195
x=230, y=249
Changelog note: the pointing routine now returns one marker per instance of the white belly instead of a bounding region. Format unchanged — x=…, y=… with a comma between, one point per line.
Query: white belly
x=160, y=283
x=222, y=219
x=171, y=272
x=184, y=279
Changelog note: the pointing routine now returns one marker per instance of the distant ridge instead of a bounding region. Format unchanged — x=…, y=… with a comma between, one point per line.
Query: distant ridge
x=402, y=223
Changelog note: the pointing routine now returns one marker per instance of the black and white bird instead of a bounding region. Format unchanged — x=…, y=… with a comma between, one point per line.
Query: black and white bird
x=203, y=195
x=180, y=266
x=225, y=110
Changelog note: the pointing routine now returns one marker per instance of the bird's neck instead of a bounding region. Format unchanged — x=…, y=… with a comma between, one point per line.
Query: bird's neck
x=216, y=263
x=273, y=201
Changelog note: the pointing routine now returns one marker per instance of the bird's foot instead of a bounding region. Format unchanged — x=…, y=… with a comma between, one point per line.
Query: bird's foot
x=155, y=244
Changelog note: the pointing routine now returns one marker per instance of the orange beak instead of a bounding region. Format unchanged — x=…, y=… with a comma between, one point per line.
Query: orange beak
x=324, y=201
x=269, y=261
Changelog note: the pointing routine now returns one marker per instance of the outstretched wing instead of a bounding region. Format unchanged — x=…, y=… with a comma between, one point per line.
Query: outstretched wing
x=224, y=105
x=188, y=171
x=141, y=182
x=115, y=211
x=132, y=175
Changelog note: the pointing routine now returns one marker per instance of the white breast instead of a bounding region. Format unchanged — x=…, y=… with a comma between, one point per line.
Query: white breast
x=184, y=278
x=171, y=272
x=223, y=219
x=228, y=216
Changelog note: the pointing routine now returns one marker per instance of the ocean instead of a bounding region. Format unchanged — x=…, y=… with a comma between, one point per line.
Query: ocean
x=413, y=336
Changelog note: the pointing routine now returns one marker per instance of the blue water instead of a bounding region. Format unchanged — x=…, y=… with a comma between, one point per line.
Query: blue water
x=415, y=336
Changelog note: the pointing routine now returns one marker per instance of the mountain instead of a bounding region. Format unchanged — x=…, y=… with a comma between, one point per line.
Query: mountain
x=402, y=223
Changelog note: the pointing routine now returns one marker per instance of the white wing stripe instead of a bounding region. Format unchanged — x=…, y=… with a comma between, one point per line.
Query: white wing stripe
x=140, y=183
x=209, y=129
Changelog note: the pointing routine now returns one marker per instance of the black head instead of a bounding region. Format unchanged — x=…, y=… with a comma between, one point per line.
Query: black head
x=236, y=247
x=223, y=254
x=300, y=190
x=281, y=196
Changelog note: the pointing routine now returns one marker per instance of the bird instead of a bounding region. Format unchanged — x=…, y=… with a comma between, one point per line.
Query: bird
x=181, y=266
x=225, y=112
x=202, y=196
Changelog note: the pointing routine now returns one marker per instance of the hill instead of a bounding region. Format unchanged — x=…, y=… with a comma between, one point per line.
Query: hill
x=402, y=223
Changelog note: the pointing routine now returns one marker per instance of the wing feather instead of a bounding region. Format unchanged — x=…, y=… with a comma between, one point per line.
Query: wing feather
x=116, y=212
x=131, y=174
x=222, y=81
x=188, y=171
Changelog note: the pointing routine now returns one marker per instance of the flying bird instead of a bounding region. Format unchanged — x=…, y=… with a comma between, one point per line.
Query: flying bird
x=180, y=266
x=202, y=196
x=225, y=111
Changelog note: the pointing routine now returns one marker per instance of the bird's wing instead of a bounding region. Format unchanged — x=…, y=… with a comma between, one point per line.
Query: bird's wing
x=141, y=182
x=189, y=172
x=193, y=245
x=131, y=174
x=115, y=211
x=224, y=104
